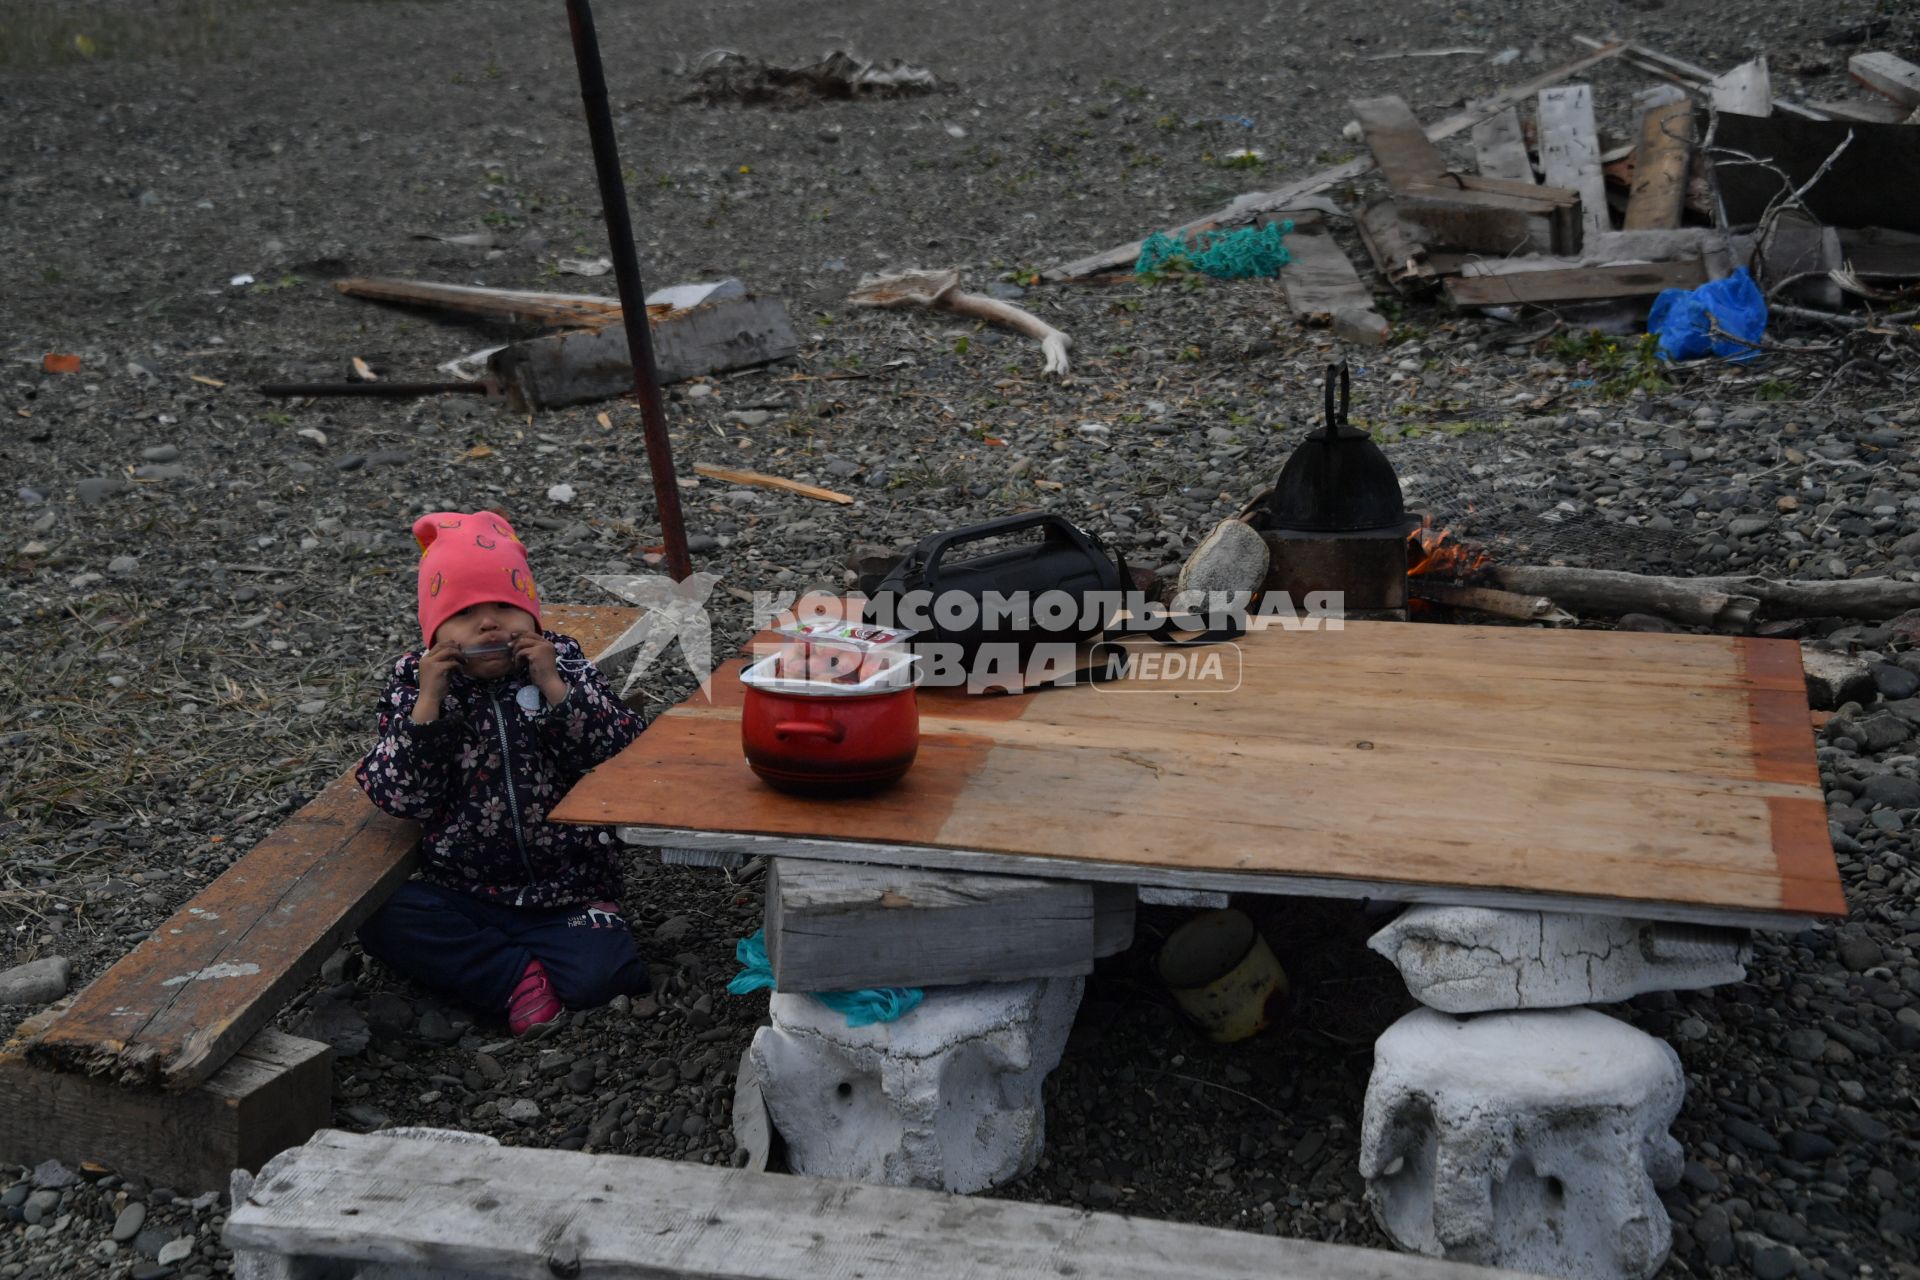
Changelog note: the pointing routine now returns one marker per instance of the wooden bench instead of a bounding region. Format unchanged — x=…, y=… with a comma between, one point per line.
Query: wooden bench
x=411, y=1207
x=174, y=1013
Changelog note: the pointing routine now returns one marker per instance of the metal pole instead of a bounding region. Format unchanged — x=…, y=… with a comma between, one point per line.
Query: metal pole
x=633, y=295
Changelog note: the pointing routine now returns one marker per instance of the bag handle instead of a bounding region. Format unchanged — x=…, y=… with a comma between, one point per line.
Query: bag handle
x=931, y=551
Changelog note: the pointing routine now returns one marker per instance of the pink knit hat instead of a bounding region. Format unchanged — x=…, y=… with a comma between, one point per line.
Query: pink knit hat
x=468, y=559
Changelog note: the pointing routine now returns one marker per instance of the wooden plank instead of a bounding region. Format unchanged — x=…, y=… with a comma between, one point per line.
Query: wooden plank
x=1660, y=169
x=1640, y=775
x=1407, y=158
x=1682, y=73
x=1244, y=208
x=834, y=927
x=1746, y=90
x=1876, y=253
x=1323, y=289
x=1570, y=152
x=1397, y=252
x=1465, y=211
x=577, y=368
x=761, y=481
x=271, y=1095
x=1865, y=110
x=493, y=304
x=1500, y=147
x=1893, y=78
x=1572, y=283
x=176, y=1008
x=415, y=1207
x=1878, y=159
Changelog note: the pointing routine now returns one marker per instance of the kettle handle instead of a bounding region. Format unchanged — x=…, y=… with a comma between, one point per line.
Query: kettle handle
x=831, y=730
x=1336, y=422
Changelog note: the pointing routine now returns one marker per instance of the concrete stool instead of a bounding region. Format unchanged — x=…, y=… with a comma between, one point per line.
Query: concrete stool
x=1532, y=1141
x=947, y=1097
x=1474, y=959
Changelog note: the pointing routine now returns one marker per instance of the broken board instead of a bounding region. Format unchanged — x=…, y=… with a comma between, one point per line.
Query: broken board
x=1893, y=78
x=1500, y=147
x=1859, y=190
x=1460, y=210
x=1660, y=168
x=1570, y=283
x=1323, y=290
x=1570, y=152
x=578, y=368
x=1630, y=774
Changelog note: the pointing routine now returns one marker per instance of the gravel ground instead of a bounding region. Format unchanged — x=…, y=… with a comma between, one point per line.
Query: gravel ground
x=206, y=586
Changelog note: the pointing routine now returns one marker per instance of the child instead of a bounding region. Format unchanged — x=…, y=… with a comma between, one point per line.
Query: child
x=481, y=733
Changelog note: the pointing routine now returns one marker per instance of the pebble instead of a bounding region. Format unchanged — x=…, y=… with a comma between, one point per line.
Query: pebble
x=98, y=488
x=36, y=982
x=699, y=391
x=175, y=1251
x=749, y=417
x=40, y=1206
x=522, y=1110
x=1860, y=954
x=160, y=453
x=127, y=1225
x=121, y=566
x=1805, y=1044
x=560, y=493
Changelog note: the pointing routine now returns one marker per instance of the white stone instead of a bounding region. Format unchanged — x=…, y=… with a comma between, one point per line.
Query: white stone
x=947, y=1097
x=1233, y=558
x=1532, y=1141
x=35, y=982
x=1475, y=959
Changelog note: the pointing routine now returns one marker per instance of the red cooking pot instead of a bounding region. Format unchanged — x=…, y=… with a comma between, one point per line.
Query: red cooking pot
x=828, y=743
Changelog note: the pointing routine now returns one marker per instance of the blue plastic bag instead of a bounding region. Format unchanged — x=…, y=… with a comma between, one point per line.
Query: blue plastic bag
x=870, y=1005
x=1683, y=319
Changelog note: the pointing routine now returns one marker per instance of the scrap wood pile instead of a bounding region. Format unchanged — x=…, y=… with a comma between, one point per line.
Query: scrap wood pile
x=1709, y=174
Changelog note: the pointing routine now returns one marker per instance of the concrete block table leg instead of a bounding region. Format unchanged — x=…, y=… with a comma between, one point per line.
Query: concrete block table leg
x=947, y=1097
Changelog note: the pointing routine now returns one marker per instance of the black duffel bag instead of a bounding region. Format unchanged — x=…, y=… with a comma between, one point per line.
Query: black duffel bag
x=1063, y=588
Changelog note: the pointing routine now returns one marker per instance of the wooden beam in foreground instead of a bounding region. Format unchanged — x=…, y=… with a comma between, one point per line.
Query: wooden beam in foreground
x=271, y=1095
x=416, y=1207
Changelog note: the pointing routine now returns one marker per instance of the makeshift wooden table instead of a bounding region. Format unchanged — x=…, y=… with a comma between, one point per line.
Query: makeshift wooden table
x=1618, y=773
x=1568, y=776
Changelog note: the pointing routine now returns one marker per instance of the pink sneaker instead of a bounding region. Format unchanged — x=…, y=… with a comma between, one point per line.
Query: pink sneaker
x=532, y=1003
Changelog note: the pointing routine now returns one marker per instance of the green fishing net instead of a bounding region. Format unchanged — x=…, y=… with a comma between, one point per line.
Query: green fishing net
x=1227, y=255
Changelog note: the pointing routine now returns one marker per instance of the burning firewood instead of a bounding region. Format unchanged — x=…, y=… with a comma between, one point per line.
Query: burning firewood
x=941, y=289
x=1490, y=601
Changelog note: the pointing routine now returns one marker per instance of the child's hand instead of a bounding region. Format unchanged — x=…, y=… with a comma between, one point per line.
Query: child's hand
x=543, y=665
x=436, y=664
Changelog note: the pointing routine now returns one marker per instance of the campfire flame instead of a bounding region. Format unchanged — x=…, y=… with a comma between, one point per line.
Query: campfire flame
x=1440, y=552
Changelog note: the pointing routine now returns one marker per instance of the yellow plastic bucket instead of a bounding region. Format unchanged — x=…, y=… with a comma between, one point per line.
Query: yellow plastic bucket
x=1221, y=974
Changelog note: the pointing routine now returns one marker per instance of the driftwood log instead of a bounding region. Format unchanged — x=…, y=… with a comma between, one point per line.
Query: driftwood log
x=940, y=289
x=1725, y=604
x=1489, y=600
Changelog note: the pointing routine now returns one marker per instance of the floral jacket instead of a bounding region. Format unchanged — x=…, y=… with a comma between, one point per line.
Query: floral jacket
x=481, y=778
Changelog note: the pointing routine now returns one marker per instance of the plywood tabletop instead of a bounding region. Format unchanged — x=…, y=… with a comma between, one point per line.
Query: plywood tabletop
x=1623, y=772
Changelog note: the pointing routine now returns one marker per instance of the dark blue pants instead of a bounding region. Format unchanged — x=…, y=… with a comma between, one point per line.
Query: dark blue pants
x=475, y=952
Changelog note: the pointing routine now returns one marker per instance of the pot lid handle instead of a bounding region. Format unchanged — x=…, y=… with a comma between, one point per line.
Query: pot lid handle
x=1337, y=422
